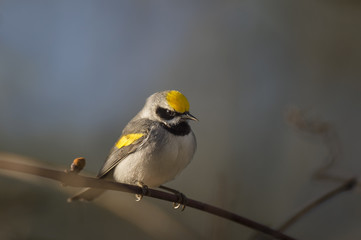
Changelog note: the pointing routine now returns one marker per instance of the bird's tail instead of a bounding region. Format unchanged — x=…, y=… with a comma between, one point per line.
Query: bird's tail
x=87, y=194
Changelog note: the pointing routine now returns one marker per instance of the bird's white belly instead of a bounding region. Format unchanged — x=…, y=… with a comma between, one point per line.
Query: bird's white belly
x=154, y=165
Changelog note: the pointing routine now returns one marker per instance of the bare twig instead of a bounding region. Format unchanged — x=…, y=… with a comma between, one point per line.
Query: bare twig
x=298, y=119
x=346, y=186
x=74, y=180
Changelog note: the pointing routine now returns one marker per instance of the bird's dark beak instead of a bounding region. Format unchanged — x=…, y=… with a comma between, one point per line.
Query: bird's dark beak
x=189, y=116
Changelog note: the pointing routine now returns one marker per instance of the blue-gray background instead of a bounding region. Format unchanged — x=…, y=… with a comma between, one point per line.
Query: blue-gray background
x=72, y=73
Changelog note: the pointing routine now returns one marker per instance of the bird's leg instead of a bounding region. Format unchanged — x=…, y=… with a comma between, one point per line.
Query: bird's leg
x=144, y=187
x=182, y=199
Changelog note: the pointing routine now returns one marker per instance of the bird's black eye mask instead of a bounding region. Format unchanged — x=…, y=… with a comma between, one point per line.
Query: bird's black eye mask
x=166, y=114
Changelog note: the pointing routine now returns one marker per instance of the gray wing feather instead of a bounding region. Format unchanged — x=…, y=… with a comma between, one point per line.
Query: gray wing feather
x=118, y=154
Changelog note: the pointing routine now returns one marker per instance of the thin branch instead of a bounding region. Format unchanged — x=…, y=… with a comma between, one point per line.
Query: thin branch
x=346, y=186
x=299, y=119
x=74, y=180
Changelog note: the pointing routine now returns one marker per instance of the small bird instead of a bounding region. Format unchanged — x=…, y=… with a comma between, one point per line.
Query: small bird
x=155, y=146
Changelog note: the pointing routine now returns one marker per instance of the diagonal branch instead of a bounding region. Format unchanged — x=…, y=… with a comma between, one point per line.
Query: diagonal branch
x=346, y=186
x=74, y=180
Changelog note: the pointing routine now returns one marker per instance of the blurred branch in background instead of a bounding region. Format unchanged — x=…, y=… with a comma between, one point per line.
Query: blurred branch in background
x=300, y=121
x=348, y=185
x=70, y=178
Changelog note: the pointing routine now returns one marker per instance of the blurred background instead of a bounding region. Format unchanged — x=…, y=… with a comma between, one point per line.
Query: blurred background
x=73, y=73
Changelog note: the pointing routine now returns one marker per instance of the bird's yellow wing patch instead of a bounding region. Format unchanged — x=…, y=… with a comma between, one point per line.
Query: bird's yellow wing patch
x=177, y=101
x=128, y=139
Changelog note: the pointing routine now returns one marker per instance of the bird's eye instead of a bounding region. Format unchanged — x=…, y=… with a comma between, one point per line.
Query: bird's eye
x=165, y=114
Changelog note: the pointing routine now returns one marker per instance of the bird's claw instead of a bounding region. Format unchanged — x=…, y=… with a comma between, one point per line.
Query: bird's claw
x=181, y=201
x=181, y=198
x=145, y=188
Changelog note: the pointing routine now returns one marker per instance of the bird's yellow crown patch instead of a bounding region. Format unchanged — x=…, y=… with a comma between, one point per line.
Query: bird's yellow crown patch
x=128, y=139
x=177, y=101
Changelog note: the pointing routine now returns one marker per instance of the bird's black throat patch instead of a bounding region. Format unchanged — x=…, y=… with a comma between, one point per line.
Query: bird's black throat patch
x=180, y=129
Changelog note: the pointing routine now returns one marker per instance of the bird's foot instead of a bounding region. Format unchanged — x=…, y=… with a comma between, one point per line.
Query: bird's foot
x=144, y=187
x=181, y=202
x=181, y=198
